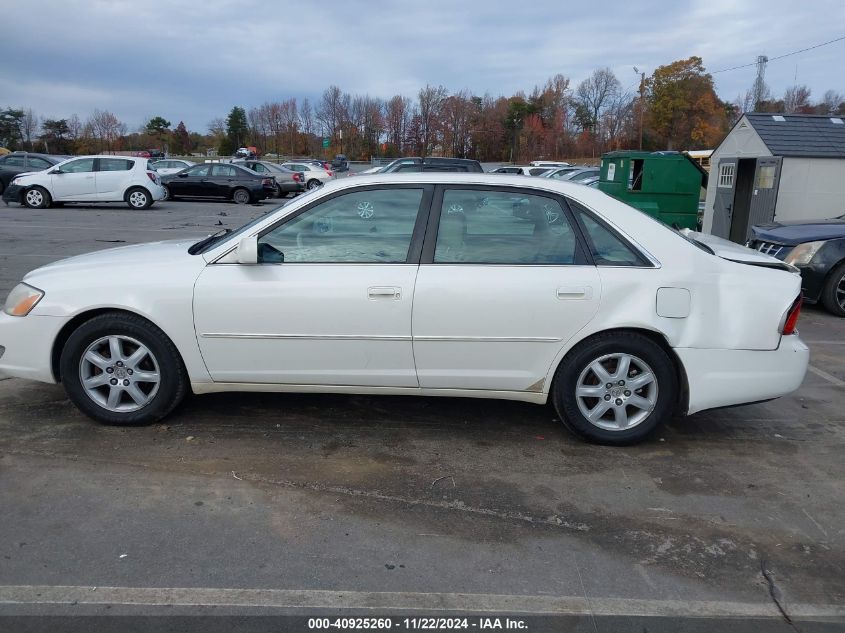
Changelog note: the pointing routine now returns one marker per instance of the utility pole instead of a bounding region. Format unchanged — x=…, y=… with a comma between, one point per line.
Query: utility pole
x=760, y=81
x=642, y=103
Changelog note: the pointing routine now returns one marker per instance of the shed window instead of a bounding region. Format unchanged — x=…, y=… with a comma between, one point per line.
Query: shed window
x=726, y=175
x=836, y=120
x=765, y=177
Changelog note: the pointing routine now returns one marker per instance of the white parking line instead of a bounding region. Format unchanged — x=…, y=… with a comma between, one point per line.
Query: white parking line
x=405, y=601
x=828, y=377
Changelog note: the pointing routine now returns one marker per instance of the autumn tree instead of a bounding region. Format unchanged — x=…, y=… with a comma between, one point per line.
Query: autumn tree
x=105, y=129
x=397, y=119
x=683, y=109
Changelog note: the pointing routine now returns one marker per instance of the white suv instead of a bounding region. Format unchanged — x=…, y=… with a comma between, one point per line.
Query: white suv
x=126, y=179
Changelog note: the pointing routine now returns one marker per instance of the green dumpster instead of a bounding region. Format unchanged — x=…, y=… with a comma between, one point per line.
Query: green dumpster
x=666, y=185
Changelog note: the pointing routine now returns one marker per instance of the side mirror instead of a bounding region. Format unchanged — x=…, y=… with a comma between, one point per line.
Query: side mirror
x=248, y=250
x=57, y=171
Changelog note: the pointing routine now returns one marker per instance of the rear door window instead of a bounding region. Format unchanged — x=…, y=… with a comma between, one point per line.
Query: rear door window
x=503, y=227
x=115, y=164
x=607, y=248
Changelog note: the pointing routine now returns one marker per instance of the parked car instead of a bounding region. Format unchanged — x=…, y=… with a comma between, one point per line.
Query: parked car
x=616, y=318
x=287, y=180
x=431, y=163
x=817, y=248
x=574, y=175
x=546, y=163
x=89, y=179
x=522, y=170
x=372, y=170
x=170, y=165
x=16, y=163
x=313, y=175
x=340, y=163
x=219, y=180
x=156, y=154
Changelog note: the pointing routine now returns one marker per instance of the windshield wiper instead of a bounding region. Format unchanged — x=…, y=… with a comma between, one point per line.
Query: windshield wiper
x=207, y=241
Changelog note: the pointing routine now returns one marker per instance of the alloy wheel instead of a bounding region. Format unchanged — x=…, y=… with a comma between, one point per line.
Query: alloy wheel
x=616, y=392
x=119, y=373
x=138, y=199
x=34, y=198
x=840, y=292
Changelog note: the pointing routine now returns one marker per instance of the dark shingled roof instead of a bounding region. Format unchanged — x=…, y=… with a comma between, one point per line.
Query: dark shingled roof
x=809, y=135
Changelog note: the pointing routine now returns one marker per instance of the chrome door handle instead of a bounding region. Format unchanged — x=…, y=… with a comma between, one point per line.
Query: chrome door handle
x=384, y=292
x=574, y=292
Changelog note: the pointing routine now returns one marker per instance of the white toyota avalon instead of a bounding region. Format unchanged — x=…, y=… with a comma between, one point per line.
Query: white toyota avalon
x=471, y=285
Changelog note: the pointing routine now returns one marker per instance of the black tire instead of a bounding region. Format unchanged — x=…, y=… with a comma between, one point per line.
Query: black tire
x=241, y=196
x=313, y=184
x=833, y=293
x=173, y=380
x=37, y=198
x=169, y=193
x=138, y=198
x=577, y=363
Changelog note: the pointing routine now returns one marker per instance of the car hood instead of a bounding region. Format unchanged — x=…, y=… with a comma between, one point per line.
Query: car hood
x=792, y=233
x=732, y=251
x=135, y=256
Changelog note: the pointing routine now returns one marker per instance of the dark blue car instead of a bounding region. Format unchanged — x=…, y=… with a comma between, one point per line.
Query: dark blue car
x=817, y=248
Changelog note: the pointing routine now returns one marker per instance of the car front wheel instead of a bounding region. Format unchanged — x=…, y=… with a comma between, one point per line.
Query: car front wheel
x=36, y=198
x=615, y=388
x=119, y=368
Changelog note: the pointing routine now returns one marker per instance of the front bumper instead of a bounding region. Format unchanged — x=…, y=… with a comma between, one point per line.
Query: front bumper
x=727, y=377
x=12, y=193
x=29, y=346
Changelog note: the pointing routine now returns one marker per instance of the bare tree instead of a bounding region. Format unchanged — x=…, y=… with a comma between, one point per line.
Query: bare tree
x=29, y=127
x=457, y=117
x=596, y=92
x=796, y=99
x=832, y=103
x=306, y=119
x=290, y=121
x=397, y=115
x=430, y=106
x=330, y=110
x=105, y=128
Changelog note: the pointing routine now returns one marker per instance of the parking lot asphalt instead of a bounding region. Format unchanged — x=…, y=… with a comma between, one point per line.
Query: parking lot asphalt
x=411, y=505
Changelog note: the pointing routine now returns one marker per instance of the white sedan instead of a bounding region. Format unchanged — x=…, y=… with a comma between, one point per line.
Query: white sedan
x=471, y=285
x=89, y=179
x=312, y=175
x=171, y=165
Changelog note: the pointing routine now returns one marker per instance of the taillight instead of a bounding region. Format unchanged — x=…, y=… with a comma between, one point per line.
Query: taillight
x=297, y=177
x=330, y=172
x=267, y=182
x=792, y=316
x=151, y=175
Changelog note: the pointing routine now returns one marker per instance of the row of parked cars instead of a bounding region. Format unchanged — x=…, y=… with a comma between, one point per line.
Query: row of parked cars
x=42, y=180
x=582, y=174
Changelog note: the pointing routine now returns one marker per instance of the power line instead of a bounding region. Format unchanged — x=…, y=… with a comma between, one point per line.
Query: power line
x=771, y=59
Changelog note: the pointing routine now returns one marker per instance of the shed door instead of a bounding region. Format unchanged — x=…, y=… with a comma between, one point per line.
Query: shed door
x=724, y=200
x=765, y=194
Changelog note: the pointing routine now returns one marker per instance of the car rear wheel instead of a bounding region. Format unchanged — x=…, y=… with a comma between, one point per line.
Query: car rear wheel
x=37, y=198
x=138, y=198
x=119, y=368
x=313, y=183
x=241, y=196
x=615, y=388
x=833, y=294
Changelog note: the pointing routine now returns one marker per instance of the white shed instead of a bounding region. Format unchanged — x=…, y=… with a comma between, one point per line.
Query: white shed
x=776, y=167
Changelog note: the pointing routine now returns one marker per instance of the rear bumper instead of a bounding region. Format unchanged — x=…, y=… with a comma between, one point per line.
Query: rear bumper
x=29, y=346
x=724, y=377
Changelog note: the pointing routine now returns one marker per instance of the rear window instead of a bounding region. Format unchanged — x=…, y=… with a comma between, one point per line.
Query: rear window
x=607, y=248
x=115, y=164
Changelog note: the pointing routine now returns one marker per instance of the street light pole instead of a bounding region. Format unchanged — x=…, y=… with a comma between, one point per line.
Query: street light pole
x=642, y=102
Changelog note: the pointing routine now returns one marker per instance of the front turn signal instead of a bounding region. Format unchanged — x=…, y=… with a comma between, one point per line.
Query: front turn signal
x=22, y=300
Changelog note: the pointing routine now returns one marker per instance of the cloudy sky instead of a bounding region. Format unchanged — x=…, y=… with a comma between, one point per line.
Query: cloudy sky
x=194, y=60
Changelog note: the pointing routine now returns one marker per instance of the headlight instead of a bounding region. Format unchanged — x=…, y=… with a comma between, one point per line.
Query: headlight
x=803, y=253
x=22, y=300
